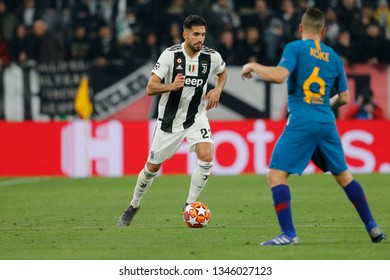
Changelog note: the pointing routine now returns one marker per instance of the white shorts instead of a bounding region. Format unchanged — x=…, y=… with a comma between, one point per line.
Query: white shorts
x=165, y=144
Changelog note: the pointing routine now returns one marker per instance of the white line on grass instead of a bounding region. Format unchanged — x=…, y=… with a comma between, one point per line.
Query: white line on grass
x=22, y=181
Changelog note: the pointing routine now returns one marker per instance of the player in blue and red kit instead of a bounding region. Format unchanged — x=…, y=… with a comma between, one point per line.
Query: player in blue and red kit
x=313, y=70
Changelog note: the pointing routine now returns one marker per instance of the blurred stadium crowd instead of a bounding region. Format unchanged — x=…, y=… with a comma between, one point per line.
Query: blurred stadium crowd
x=241, y=30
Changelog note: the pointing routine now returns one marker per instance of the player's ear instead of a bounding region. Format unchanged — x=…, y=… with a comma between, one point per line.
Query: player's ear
x=323, y=31
x=300, y=28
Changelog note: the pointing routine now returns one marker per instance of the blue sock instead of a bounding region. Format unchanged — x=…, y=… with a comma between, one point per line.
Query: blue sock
x=356, y=195
x=282, y=197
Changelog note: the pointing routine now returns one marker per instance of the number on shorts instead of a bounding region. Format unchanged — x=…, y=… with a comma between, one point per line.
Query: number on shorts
x=205, y=133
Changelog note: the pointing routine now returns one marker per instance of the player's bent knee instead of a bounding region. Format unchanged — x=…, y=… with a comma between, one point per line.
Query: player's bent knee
x=270, y=179
x=343, y=178
x=153, y=167
x=206, y=157
x=276, y=177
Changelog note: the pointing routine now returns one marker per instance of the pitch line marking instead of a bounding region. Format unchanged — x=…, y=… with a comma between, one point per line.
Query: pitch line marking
x=22, y=181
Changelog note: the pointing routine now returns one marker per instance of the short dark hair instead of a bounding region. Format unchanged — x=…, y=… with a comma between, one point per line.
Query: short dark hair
x=193, y=20
x=313, y=19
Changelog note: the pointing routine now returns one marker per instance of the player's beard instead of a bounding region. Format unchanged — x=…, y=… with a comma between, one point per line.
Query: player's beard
x=196, y=47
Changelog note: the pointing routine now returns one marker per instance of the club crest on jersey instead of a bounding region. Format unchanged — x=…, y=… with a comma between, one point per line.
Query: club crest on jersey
x=204, y=67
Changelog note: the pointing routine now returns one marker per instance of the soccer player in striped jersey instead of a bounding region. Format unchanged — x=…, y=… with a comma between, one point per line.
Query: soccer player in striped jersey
x=180, y=77
x=313, y=70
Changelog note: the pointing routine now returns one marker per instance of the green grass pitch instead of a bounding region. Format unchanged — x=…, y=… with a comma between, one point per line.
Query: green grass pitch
x=75, y=219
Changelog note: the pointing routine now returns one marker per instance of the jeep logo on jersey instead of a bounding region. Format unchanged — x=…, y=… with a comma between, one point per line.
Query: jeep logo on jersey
x=193, y=82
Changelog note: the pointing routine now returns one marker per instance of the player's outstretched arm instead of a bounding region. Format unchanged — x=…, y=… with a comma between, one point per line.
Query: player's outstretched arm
x=155, y=87
x=272, y=74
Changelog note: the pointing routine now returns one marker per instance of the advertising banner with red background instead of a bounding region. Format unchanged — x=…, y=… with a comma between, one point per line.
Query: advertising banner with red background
x=113, y=148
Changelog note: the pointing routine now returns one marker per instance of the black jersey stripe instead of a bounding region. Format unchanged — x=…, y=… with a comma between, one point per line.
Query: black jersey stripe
x=204, y=63
x=174, y=47
x=174, y=96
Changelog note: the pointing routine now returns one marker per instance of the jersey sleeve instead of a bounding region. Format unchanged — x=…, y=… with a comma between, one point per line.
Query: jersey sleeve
x=340, y=84
x=219, y=64
x=289, y=58
x=163, y=64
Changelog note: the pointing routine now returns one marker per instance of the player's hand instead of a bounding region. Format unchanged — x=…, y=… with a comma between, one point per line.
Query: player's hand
x=246, y=72
x=178, y=83
x=212, y=98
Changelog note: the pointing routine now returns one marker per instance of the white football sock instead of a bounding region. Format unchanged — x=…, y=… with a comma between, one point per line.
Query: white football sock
x=199, y=179
x=145, y=180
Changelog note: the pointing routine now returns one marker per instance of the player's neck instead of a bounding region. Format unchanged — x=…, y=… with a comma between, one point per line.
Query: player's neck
x=190, y=52
x=311, y=36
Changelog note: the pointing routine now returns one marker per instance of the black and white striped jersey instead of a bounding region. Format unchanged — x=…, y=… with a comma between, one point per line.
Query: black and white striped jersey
x=178, y=109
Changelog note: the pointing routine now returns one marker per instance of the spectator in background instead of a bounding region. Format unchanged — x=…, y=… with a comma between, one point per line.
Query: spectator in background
x=374, y=49
x=149, y=47
x=228, y=49
x=346, y=48
x=80, y=44
x=81, y=15
x=128, y=46
x=347, y=12
x=4, y=52
x=173, y=37
x=28, y=14
x=22, y=45
x=290, y=19
x=359, y=26
x=275, y=41
x=302, y=6
x=324, y=4
x=240, y=43
x=148, y=13
x=254, y=48
x=46, y=46
x=174, y=14
x=132, y=22
x=237, y=15
x=224, y=11
x=382, y=15
x=198, y=7
x=260, y=16
x=215, y=25
x=243, y=7
x=275, y=5
x=332, y=27
x=8, y=22
x=104, y=47
x=58, y=18
x=105, y=11
x=12, y=5
x=365, y=108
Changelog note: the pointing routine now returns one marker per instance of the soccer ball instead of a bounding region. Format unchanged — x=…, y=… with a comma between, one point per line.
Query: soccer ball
x=196, y=215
